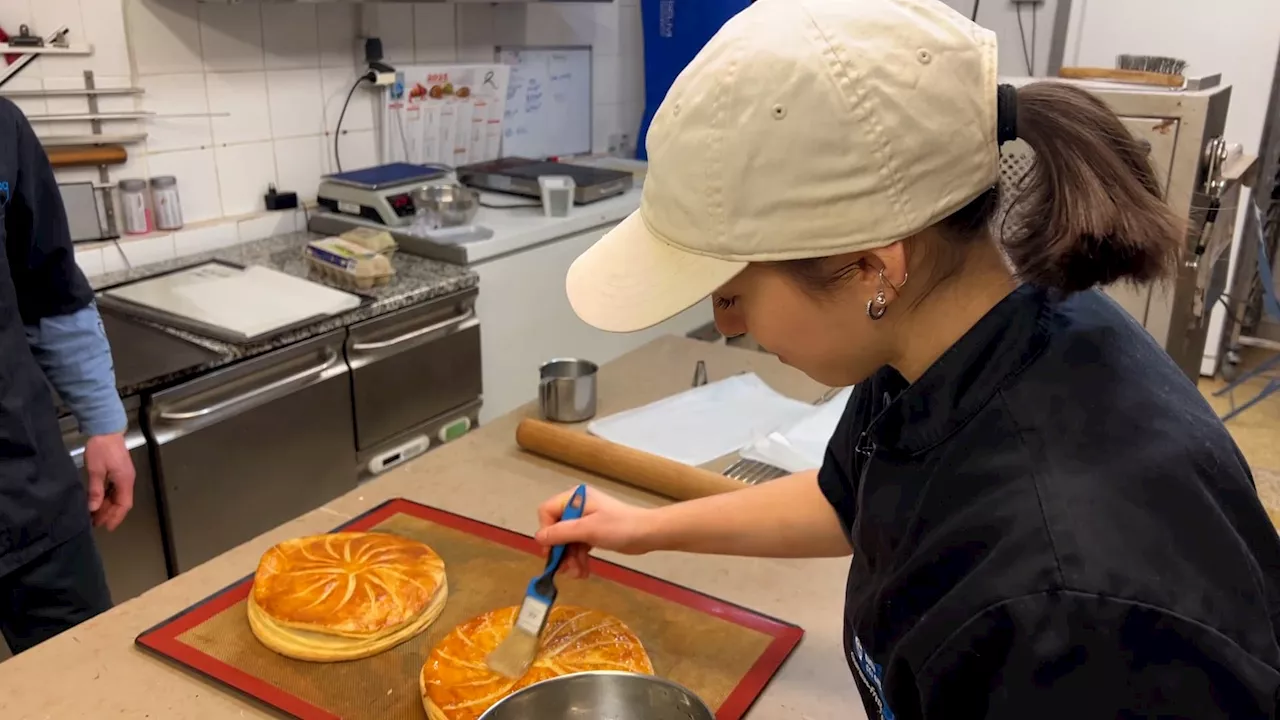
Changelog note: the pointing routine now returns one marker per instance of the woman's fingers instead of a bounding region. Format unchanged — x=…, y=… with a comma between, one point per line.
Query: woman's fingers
x=549, y=512
x=580, y=555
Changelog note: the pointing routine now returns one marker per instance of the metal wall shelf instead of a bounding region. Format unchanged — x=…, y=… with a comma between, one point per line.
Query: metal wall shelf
x=64, y=140
x=71, y=92
x=121, y=115
x=7, y=49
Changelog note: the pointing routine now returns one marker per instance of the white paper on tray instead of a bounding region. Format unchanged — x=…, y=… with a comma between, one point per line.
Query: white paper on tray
x=704, y=423
x=800, y=444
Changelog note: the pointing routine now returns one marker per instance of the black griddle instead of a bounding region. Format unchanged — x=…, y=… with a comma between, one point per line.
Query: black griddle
x=519, y=176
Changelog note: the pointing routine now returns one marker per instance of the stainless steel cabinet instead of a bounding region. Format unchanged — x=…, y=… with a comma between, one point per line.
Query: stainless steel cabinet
x=414, y=373
x=246, y=448
x=133, y=554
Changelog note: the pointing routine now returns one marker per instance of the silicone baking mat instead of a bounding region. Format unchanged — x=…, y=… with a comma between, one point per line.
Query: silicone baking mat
x=724, y=653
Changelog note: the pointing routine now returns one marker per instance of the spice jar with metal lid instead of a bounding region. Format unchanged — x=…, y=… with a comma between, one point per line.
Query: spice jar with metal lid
x=165, y=200
x=133, y=206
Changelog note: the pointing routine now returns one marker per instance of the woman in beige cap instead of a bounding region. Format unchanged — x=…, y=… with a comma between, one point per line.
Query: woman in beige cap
x=1045, y=518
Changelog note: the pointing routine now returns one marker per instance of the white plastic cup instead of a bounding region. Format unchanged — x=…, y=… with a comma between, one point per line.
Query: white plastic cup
x=557, y=194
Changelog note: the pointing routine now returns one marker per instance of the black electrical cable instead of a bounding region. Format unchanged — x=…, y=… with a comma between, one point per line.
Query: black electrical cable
x=1226, y=301
x=1022, y=35
x=974, y=16
x=337, y=131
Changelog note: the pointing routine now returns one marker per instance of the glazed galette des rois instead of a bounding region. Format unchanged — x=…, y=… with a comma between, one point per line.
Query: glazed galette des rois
x=345, y=595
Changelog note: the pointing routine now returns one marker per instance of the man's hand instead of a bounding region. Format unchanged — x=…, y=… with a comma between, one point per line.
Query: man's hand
x=111, y=477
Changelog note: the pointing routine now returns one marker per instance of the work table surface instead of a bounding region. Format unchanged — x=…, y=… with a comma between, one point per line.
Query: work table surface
x=95, y=670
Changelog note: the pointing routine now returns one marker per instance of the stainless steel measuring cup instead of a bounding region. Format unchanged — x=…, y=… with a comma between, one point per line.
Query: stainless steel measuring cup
x=567, y=390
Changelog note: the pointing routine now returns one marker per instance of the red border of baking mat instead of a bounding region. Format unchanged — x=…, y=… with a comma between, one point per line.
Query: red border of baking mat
x=163, y=638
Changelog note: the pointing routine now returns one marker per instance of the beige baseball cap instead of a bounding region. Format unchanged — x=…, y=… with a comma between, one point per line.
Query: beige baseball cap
x=804, y=128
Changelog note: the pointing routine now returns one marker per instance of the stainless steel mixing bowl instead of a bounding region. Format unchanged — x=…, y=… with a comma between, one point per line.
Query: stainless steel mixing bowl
x=447, y=205
x=601, y=696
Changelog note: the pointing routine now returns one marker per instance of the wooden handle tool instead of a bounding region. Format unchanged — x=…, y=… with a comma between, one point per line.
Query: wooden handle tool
x=1133, y=77
x=83, y=155
x=618, y=462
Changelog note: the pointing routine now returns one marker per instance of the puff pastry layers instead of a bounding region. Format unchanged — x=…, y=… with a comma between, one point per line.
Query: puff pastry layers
x=345, y=596
x=457, y=685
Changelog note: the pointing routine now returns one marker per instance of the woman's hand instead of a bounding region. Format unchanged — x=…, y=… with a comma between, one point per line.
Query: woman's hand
x=785, y=518
x=606, y=523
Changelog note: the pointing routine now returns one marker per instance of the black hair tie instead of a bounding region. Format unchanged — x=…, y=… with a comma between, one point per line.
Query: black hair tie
x=1006, y=114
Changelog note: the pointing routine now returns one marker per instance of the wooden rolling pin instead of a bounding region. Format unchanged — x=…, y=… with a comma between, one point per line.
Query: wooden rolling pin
x=618, y=462
x=1133, y=77
x=82, y=155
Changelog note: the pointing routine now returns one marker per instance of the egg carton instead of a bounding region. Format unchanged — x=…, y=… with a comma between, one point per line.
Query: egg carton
x=339, y=277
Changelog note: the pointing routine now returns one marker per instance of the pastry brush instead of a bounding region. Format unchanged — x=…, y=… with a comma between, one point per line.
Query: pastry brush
x=515, y=654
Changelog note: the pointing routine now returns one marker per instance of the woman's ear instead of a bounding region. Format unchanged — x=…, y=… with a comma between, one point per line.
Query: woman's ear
x=892, y=261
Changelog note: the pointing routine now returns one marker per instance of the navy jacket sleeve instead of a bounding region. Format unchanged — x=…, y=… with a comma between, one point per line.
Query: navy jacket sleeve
x=1078, y=655
x=37, y=239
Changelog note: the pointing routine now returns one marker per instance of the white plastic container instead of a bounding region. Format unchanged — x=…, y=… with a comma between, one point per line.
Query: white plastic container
x=133, y=207
x=167, y=204
x=557, y=194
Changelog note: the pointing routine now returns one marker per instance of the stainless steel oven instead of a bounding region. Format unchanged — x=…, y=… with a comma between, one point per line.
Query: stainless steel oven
x=248, y=447
x=415, y=378
x=133, y=554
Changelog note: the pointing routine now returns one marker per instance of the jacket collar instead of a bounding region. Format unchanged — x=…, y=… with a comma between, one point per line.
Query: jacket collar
x=964, y=379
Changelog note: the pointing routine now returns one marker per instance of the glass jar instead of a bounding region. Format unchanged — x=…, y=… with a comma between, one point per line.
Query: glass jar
x=133, y=207
x=167, y=204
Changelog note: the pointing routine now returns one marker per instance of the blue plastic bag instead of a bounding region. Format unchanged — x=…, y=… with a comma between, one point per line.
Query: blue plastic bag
x=674, y=32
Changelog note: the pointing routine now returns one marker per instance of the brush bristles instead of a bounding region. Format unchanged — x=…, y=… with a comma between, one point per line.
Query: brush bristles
x=1152, y=63
x=514, y=655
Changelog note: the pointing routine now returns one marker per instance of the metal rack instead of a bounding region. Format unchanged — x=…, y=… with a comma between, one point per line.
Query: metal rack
x=1246, y=320
x=56, y=44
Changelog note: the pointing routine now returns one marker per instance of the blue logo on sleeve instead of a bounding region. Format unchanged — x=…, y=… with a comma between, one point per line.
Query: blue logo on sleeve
x=872, y=676
x=4, y=192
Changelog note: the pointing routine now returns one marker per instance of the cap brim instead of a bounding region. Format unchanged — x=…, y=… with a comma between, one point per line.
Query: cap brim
x=631, y=280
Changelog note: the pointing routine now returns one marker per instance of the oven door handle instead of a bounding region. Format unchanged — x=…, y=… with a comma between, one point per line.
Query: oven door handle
x=414, y=334
x=330, y=359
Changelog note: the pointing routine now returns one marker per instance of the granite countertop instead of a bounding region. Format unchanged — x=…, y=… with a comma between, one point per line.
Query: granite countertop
x=416, y=280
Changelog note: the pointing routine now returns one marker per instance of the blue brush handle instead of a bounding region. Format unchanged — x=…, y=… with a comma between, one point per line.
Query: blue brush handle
x=541, y=586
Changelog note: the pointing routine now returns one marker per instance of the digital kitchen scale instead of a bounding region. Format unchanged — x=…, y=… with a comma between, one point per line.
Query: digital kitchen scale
x=383, y=193
x=519, y=176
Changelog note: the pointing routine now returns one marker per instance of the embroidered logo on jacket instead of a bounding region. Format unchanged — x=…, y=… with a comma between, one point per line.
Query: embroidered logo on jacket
x=872, y=676
x=4, y=192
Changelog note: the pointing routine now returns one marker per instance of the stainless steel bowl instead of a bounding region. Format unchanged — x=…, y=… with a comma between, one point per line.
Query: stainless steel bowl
x=447, y=205
x=601, y=696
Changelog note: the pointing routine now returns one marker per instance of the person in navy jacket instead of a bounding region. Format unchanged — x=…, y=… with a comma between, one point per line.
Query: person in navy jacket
x=51, y=336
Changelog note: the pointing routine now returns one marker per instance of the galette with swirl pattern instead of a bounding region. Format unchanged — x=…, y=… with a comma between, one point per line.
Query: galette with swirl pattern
x=346, y=595
x=457, y=685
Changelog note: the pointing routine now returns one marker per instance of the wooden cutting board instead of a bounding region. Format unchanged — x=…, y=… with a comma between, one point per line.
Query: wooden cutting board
x=724, y=653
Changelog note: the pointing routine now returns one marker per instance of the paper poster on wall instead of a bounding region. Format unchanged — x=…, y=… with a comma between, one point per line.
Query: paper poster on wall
x=444, y=114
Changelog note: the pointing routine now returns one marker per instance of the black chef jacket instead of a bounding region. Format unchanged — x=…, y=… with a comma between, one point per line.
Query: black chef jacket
x=42, y=501
x=1052, y=523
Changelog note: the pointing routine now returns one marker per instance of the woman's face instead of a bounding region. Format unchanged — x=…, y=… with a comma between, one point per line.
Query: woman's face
x=826, y=335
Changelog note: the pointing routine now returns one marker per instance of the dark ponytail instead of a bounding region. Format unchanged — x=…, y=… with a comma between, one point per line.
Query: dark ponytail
x=1091, y=210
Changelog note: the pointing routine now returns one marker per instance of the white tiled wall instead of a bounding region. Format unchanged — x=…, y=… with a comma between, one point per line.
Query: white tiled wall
x=280, y=71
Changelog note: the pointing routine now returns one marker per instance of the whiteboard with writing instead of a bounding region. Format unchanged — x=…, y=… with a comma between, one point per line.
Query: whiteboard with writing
x=548, y=108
